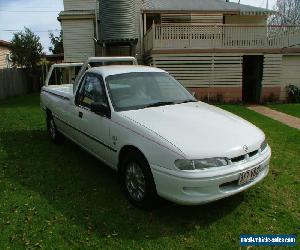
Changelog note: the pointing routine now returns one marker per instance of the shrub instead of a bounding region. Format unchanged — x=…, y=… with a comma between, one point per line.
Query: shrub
x=271, y=98
x=293, y=94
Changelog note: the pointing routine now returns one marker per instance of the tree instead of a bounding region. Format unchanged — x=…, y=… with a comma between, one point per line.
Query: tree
x=287, y=13
x=26, y=49
x=57, y=43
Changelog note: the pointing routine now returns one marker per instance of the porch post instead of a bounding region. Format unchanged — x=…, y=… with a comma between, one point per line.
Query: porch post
x=145, y=23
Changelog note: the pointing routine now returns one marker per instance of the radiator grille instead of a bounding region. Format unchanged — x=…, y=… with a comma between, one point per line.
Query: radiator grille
x=242, y=158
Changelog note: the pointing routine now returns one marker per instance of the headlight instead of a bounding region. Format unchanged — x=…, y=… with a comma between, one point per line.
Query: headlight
x=263, y=146
x=201, y=164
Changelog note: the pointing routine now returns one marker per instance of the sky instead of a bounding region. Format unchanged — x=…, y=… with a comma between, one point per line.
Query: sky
x=41, y=17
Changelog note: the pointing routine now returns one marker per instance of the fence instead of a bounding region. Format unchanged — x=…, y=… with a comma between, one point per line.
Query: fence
x=187, y=36
x=13, y=82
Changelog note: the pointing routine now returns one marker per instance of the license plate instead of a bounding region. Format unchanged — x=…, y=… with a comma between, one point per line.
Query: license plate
x=248, y=176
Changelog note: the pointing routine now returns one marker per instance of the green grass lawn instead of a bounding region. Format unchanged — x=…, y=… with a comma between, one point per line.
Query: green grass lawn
x=290, y=109
x=59, y=197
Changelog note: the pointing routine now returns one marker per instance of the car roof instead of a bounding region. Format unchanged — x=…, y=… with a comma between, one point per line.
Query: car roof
x=106, y=71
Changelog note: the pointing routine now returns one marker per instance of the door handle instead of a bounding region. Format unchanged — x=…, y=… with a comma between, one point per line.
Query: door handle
x=80, y=114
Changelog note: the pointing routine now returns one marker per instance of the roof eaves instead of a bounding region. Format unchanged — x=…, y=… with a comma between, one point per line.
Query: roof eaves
x=212, y=6
x=193, y=11
x=73, y=14
x=251, y=10
x=5, y=43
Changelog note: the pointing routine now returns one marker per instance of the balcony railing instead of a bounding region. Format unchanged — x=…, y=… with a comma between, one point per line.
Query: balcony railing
x=178, y=36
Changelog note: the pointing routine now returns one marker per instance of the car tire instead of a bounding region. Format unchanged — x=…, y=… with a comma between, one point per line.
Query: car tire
x=137, y=181
x=55, y=135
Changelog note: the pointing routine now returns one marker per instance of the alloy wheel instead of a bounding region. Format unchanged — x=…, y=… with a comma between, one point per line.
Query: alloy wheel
x=135, y=182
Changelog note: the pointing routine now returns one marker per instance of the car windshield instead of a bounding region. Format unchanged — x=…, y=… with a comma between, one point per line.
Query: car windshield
x=145, y=89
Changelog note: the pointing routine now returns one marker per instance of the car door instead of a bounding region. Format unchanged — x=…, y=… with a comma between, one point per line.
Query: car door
x=95, y=128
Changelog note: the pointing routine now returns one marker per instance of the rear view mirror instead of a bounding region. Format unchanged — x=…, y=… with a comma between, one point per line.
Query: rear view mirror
x=101, y=108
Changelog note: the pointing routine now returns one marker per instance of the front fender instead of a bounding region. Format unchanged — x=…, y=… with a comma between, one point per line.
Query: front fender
x=157, y=150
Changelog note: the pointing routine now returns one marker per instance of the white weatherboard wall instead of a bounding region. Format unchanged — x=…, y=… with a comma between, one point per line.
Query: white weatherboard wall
x=138, y=30
x=192, y=18
x=3, y=53
x=78, y=39
x=245, y=20
x=290, y=72
x=272, y=70
x=202, y=70
x=271, y=80
x=79, y=5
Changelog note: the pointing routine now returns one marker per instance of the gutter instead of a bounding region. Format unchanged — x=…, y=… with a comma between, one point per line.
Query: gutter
x=73, y=14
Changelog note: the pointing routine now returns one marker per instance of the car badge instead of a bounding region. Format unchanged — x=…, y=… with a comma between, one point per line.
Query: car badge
x=246, y=148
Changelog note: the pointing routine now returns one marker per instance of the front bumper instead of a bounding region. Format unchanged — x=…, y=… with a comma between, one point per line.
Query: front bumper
x=207, y=187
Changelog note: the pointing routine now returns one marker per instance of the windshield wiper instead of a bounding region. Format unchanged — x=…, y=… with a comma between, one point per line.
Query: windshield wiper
x=187, y=101
x=158, y=104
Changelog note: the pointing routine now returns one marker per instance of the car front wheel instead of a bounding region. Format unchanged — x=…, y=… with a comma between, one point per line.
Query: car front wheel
x=138, y=181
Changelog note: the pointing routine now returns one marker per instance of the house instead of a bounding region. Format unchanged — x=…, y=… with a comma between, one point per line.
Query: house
x=218, y=49
x=79, y=21
x=5, y=61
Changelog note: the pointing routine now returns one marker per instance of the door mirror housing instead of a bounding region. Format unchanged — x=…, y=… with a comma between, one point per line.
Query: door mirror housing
x=101, y=108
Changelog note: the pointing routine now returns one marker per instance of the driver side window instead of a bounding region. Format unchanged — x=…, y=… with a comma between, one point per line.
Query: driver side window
x=91, y=90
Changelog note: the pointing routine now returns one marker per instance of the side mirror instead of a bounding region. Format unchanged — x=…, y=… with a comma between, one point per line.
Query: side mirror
x=101, y=108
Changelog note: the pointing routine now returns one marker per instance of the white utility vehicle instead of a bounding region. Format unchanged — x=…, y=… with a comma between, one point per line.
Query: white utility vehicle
x=143, y=123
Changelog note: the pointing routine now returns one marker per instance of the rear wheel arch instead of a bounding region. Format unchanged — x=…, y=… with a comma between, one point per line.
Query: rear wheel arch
x=48, y=113
x=48, y=116
x=55, y=135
